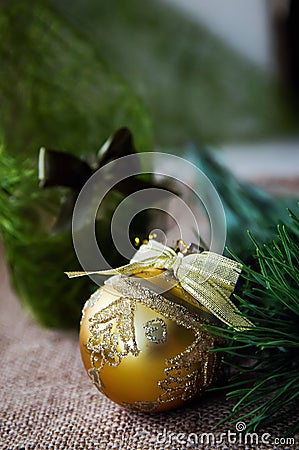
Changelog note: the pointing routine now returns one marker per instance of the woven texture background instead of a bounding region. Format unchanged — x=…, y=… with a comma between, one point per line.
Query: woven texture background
x=48, y=402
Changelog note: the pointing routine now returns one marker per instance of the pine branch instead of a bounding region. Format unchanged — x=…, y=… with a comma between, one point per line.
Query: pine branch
x=265, y=359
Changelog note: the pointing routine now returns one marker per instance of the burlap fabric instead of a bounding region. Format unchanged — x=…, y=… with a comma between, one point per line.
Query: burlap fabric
x=48, y=402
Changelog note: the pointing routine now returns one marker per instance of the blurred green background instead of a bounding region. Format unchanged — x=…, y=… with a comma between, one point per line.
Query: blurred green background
x=72, y=72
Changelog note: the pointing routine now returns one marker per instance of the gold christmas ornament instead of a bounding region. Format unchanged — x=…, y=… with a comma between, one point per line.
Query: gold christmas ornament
x=142, y=336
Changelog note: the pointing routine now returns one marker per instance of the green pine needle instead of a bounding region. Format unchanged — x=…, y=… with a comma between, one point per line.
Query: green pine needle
x=264, y=360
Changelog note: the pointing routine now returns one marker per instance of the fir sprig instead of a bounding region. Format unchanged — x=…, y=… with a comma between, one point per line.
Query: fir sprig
x=265, y=359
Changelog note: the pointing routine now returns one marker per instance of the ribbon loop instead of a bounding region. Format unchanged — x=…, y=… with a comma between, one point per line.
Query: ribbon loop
x=210, y=278
x=177, y=263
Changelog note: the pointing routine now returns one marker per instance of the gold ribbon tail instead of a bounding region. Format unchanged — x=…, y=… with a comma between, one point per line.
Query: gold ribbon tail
x=219, y=305
x=211, y=278
x=128, y=269
x=80, y=274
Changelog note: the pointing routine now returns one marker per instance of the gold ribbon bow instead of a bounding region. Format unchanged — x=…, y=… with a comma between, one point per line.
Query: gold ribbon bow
x=208, y=277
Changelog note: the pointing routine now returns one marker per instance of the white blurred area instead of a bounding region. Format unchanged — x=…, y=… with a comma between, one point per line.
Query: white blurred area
x=272, y=165
x=245, y=25
x=251, y=28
